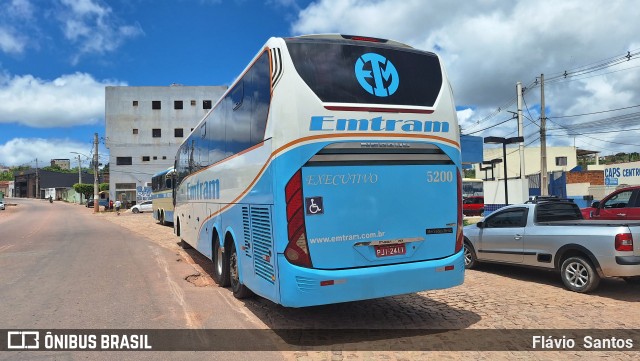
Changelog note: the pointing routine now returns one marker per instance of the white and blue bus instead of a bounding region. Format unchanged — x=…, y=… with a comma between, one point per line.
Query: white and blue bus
x=328, y=172
x=162, y=196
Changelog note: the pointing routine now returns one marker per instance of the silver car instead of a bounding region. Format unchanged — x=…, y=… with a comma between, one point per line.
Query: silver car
x=552, y=234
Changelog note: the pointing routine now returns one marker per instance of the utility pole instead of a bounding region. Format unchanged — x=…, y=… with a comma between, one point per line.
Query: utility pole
x=520, y=129
x=79, y=177
x=96, y=205
x=543, y=142
x=37, y=181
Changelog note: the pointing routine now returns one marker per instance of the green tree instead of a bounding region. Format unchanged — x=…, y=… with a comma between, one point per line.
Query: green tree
x=56, y=168
x=84, y=189
x=6, y=176
x=104, y=187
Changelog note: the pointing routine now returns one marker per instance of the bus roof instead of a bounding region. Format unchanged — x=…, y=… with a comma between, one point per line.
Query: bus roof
x=354, y=38
x=161, y=173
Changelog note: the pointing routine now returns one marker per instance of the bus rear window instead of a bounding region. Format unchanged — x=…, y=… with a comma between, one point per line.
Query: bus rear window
x=344, y=72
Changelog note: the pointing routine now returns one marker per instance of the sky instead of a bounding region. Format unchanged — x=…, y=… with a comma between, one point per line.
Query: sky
x=57, y=56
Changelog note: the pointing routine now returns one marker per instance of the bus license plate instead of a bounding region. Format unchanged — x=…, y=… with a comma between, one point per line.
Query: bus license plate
x=390, y=250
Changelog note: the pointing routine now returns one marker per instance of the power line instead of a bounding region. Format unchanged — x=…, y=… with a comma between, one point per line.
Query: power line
x=493, y=126
x=599, y=112
x=564, y=75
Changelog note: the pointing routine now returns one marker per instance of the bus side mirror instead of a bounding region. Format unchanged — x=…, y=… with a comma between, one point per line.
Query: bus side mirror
x=168, y=183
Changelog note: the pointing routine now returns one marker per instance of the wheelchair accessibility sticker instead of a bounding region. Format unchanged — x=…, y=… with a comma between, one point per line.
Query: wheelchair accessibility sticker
x=313, y=205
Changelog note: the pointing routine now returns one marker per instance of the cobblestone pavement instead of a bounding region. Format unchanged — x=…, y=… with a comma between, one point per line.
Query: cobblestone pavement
x=492, y=297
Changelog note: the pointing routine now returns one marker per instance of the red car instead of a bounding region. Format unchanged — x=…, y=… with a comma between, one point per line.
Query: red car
x=622, y=204
x=473, y=206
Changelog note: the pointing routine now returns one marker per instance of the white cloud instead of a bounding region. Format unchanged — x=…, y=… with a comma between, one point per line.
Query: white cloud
x=487, y=46
x=19, y=151
x=94, y=27
x=72, y=99
x=12, y=40
x=464, y=115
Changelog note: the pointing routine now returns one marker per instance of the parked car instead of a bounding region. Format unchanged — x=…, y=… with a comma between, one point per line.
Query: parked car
x=473, y=206
x=624, y=203
x=1, y=205
x=552, y=234
x=145, y=206
x=101, y=202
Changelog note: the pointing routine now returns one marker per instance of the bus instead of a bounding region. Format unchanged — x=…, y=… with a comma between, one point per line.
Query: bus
x=162, y=196
x=472, y=187
x=328, y=172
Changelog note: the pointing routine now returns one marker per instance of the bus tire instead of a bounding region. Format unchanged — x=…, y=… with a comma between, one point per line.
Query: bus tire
x=240, y=291
x=220, y=264
x=162, y=221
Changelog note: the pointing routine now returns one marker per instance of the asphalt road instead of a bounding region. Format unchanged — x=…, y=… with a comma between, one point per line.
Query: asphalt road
x=64, y=268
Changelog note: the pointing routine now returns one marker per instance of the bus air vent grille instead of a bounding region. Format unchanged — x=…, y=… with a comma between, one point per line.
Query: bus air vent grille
x=261, y=239
x=276, y=66
x=246, y=227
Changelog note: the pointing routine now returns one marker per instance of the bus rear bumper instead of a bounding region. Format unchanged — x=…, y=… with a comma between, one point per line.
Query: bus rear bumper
x=301, y=287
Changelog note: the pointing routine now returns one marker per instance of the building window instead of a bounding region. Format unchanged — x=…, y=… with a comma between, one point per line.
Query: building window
x=156, y=104
x=156, y=133
x=206, y=104
x=164, y=157
x=135, y=131
x=193, y=103
x=561, y=161
x=125, y=186
x=145, y=158
x=135, y=103
x=124, y=161
x=178, y=132
x=177, y=104
x=155, y=157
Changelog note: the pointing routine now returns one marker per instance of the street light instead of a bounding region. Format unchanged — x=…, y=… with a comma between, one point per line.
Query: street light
x=504, y=142
x=491, y=162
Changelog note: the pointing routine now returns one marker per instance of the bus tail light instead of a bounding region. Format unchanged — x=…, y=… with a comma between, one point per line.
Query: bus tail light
x=624, y=242
x=297, y=251
x=459, y=235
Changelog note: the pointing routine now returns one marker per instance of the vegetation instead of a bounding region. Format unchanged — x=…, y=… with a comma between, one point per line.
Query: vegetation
x=469, y=173
x=84, y=189
x=56, y=168
x=87, y=189
x=610, y=159
x=9, y=175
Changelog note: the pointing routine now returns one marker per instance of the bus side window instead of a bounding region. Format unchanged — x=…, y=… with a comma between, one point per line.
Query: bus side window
x=260, y=98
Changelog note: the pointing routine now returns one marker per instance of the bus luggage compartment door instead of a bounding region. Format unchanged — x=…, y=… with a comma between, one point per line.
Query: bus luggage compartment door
x=359, y=216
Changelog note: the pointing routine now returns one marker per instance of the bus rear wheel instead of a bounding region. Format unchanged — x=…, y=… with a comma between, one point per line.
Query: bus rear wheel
x=220, y=265
x=240, y=291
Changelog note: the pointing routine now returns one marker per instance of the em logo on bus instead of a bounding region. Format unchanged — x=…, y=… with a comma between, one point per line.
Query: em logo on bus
x=382, y=71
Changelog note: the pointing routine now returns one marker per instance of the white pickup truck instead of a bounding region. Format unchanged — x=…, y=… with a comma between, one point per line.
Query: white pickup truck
x=552, y=234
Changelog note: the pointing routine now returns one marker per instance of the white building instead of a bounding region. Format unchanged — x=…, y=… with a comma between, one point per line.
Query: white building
x=558, y=159
x=144, y=128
